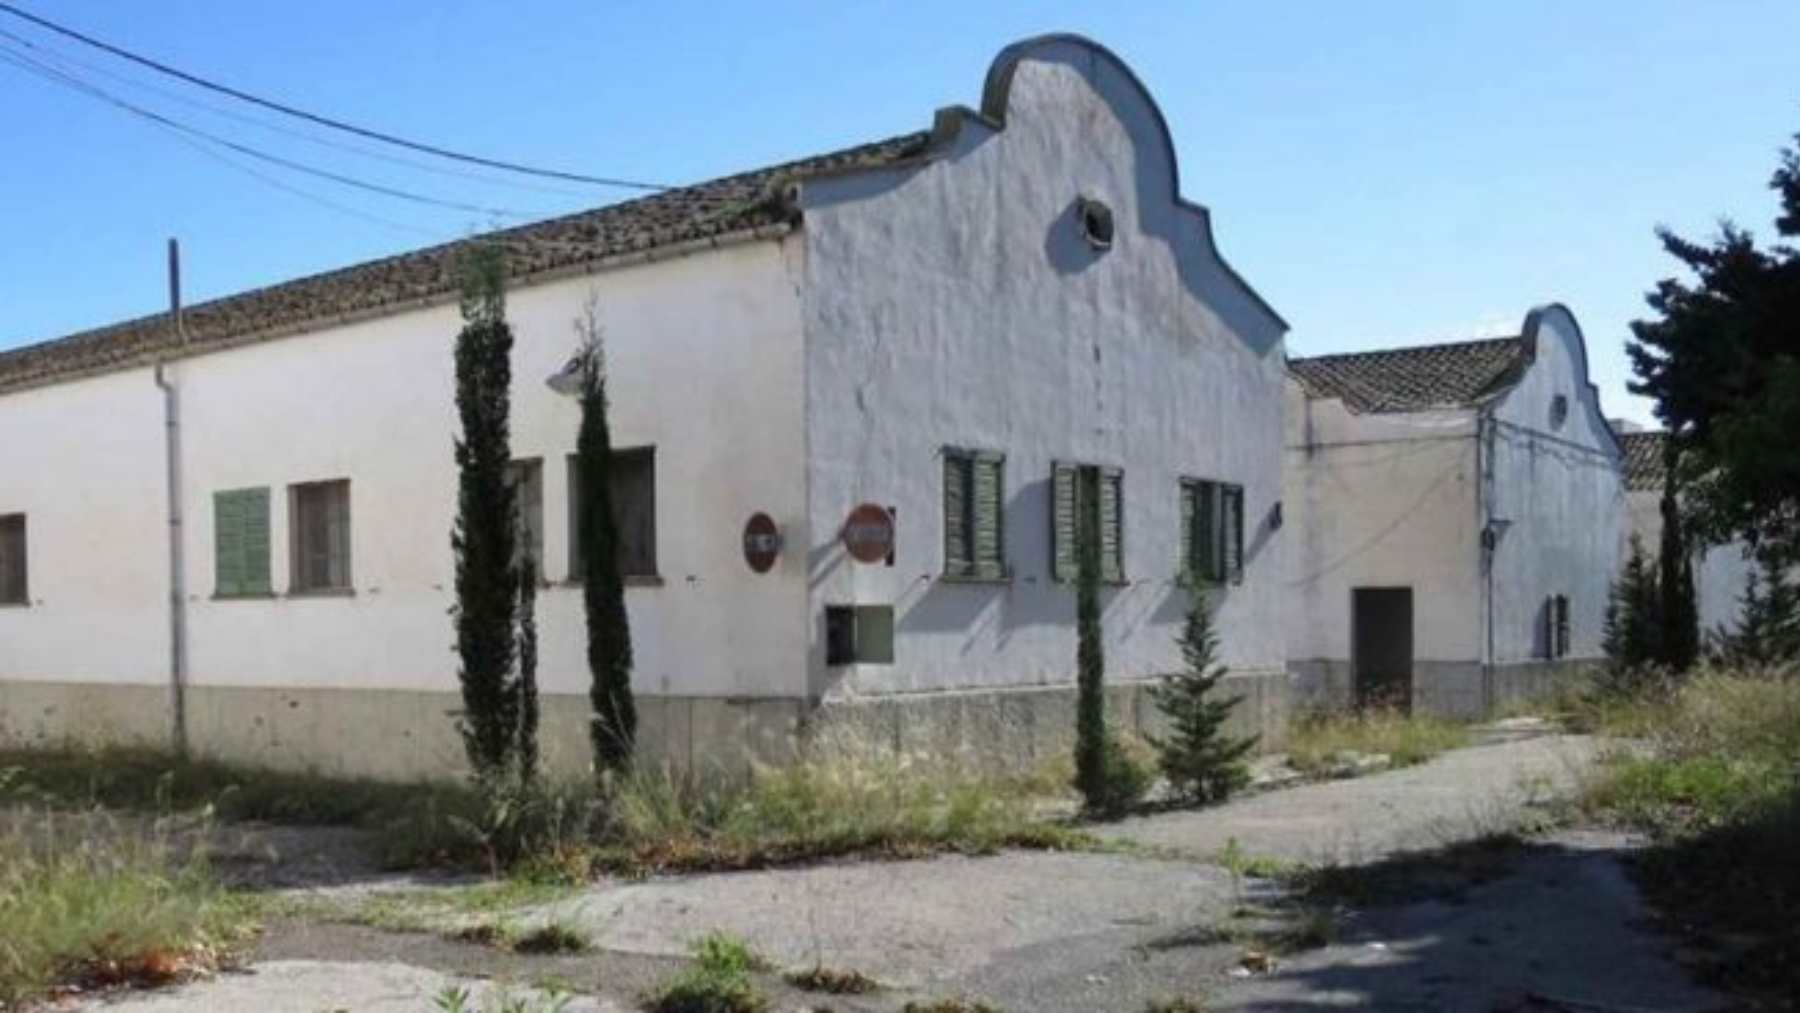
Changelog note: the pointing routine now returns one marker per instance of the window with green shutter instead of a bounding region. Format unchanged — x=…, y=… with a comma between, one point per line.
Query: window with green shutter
x=241, y=543
x=1075, y=488
x=1212, y=531
x=974, y=514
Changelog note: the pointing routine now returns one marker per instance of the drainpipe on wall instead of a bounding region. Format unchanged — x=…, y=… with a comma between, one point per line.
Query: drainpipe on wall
x=177, y=567
x=1490, y=544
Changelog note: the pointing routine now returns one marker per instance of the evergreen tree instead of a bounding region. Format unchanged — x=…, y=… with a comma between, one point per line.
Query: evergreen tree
x=483, y=539
x=528, y=653
x=1091, y=745
x=1202, y=763
x=1768, y=629
x=1678, y=645
x=614, y=718
x=1722, y=363
x=1632, y=638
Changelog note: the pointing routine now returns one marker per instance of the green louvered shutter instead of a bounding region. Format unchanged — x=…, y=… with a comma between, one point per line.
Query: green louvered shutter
x=958, y=560
x=988, y=542
x=228, y=545
x=1186, y=564
x=254, y=526
x=1206, y=532
x=241, y=542
x=1062, y=521
x=1231, y=527
x=1112, y=524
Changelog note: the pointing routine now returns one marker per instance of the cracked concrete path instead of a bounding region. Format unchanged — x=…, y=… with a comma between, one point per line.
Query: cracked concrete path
x=309, y=986
x=1459, y=795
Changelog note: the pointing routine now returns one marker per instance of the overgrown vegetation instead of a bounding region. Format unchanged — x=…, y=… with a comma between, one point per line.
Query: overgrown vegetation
x=1768, y=629
x=1317, y=744
x=1202, y=762
x=843, y=798
x=1718, y=789
x=86, y=902
x=614, y=721
x=718, y=982
x=483, y=542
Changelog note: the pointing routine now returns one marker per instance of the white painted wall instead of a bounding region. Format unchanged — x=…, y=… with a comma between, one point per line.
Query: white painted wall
x=1381, y=500
x=703, y=352
x=1718, y=574
x=84, y=462
x=957, y=304
x=1562, y=490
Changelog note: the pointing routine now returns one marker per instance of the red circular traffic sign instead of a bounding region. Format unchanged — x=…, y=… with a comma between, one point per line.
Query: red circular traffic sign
x=869, y=533
x=762, y=542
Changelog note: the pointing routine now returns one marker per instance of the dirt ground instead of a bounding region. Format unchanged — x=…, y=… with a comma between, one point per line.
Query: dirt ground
x=1553, y=925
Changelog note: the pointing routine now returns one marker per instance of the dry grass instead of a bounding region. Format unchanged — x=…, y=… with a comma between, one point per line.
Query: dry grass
x=1316, y=742
x=1717, y=786
x=85, y=900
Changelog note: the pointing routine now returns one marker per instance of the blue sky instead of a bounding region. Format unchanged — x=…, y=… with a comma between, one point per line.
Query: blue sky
x=1383, y=174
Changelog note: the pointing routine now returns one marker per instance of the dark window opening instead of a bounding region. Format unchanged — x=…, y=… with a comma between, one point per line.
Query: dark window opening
x=632, y=486
x=13, y=590
x=859, y=634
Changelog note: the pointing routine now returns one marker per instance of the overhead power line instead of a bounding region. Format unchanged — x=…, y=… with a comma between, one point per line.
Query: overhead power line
x=326, y=121
x=65, y=60
x=27, y=62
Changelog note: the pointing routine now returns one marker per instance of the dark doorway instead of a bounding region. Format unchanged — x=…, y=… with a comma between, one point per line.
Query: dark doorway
x=1381, y=646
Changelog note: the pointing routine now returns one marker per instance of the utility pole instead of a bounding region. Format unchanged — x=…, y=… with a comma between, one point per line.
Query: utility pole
x=177, y=564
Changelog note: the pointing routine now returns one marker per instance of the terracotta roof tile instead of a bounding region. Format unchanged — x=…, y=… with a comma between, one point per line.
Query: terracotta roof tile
x=1414, y=379
x=1643, y=462
x=716, y=208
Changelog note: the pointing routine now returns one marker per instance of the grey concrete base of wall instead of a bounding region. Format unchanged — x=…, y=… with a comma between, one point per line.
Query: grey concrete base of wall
x=1461, y=689
x=406, y=735
x=1017, y=729
x=385, y=734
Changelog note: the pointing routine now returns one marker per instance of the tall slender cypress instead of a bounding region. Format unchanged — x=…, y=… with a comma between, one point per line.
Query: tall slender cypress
x=614, y=718
x=1090, y=656
x=484, y=536
x=1678, y=646
x=528, y=654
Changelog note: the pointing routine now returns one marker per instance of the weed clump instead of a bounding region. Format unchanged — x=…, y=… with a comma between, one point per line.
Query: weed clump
x=718, y=982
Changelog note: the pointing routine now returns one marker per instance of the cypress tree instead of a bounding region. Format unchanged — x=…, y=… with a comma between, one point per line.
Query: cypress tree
x=483, y=539
x=1633, y=608
x=528, y=653
x=1090, y=657
x=1202, y=763
x=1678, y=645
x=1768, y=629
x=614, y=719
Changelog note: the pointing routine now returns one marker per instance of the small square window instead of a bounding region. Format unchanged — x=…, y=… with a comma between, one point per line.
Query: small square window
x=527, y=480
x=1212, y=531
x=13, y=590
x=1098, y=493
x=859, y=634
x=974, y=514
x=632, y=487
x=319, y=518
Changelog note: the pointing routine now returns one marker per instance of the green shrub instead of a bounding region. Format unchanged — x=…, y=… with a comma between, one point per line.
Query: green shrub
x=719, y=981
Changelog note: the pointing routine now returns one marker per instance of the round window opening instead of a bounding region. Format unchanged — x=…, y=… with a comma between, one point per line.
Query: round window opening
x=1559, y=411
x=1096, y=223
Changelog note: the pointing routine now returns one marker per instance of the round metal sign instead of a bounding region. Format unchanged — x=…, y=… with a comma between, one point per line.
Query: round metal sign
x=762, y=542
x=869, y=533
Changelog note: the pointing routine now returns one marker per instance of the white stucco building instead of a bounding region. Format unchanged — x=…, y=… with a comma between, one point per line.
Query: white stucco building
x=1719, y=570
x=1455, y=515
x=962, y=325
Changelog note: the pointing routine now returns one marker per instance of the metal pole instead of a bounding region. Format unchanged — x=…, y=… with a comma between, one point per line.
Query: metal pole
x=177, y=566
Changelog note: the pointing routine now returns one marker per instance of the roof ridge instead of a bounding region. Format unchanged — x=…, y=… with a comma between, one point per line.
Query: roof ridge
x=709, y=209
x=1402, y=349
